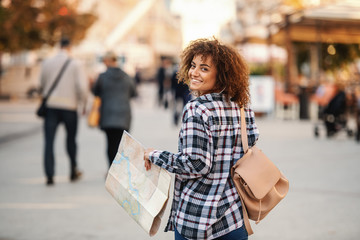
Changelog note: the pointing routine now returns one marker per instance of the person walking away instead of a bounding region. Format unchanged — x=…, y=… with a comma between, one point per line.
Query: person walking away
x=115, y=89
x=181, y=95
x=335, y=111
x=164, y=82
x=69, y=94
x=357, y=113
x=205, y=203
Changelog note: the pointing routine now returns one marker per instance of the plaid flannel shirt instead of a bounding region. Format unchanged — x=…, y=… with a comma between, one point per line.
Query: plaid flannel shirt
x=205, y=202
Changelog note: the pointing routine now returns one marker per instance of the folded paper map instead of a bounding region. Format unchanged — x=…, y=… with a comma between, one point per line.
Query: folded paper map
x=143, y=194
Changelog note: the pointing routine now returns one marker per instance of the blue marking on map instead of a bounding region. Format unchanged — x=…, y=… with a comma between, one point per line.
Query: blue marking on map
x=123, y=157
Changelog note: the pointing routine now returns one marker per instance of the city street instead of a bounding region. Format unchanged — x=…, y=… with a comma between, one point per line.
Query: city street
x=322, y=203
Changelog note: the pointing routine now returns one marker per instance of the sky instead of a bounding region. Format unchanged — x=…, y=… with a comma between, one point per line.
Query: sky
x=203, y=18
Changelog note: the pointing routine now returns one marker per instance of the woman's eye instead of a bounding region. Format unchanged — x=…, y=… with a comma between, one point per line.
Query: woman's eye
x=204, y=69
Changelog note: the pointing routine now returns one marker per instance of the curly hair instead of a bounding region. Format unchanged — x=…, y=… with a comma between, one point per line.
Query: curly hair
x=232, y=70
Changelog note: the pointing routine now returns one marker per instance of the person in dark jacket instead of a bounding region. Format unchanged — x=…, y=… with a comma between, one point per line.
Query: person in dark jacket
x=164, y=82
x=335, y=116
x=181, y=94
x=357, y=113
x=115, y=89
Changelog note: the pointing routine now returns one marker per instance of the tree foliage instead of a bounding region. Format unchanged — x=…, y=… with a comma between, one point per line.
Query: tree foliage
x=28, y=24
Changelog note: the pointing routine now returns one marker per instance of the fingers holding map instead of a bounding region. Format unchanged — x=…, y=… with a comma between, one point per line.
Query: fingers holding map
x=142, y=194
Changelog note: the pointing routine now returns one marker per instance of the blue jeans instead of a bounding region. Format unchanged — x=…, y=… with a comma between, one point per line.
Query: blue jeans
x=238, y=234
x=52, y=120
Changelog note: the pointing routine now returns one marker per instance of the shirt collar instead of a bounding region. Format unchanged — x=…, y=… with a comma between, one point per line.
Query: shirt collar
x=63, y=53
x=212, y=97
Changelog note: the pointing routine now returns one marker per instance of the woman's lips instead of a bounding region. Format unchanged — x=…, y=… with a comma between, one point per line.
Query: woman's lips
x=196, y=81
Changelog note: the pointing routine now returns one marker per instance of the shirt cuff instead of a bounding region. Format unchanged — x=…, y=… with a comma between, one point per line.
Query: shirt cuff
x=154, y=155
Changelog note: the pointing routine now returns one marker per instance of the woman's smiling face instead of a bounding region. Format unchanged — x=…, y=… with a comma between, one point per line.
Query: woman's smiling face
x=202, y=74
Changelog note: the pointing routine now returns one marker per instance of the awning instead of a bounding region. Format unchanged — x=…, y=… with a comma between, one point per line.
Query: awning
x=336, y=23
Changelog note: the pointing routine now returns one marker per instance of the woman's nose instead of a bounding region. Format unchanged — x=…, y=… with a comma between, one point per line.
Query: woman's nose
x=194, y=72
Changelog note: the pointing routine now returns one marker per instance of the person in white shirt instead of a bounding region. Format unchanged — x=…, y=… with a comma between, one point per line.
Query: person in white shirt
x=69, y=94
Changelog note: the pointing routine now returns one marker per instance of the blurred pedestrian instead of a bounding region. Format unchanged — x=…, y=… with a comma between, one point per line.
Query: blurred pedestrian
x=163, y=77
x=181, y=95
x=206, y=204
x=335, y=112
x=138, y=80
x=63, y=103
x=115, y=89
x=138, y=76
x=357, y=114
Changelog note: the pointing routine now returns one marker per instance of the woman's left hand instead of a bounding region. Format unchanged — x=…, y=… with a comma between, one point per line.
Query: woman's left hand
x=147, y=163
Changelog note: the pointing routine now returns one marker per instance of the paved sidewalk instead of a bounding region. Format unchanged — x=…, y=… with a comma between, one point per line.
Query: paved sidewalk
x=18, y=119
x=323, y=202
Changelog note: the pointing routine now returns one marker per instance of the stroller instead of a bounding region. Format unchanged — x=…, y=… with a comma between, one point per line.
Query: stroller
x=334, y=116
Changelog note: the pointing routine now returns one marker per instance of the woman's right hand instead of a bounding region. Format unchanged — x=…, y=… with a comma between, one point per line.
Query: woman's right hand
x=147, y=163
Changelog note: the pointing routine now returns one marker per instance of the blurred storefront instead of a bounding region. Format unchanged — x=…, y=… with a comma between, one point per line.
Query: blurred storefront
x=303, y=29
x=329, y=24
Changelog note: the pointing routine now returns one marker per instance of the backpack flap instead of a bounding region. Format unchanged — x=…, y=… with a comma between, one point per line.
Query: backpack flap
x=257, y=171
